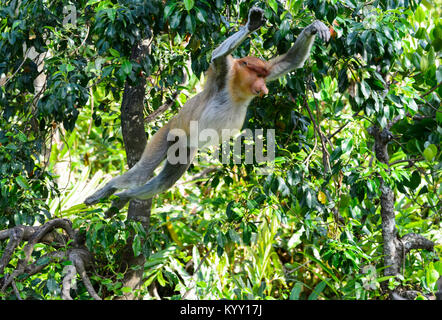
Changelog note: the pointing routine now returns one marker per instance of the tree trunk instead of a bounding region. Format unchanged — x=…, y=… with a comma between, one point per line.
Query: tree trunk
x=395, y=247
x=134, y=137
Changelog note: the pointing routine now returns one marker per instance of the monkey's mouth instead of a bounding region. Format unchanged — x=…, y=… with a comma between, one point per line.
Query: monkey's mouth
x=260, y=93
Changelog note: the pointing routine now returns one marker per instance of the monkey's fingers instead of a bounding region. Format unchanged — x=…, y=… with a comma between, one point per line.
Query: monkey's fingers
x=102, y=193
x=319, y=28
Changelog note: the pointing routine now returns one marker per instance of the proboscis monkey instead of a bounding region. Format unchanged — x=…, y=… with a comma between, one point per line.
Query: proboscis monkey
x=231, y=85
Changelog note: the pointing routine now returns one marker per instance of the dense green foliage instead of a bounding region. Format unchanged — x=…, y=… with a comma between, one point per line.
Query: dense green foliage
x=308, y=230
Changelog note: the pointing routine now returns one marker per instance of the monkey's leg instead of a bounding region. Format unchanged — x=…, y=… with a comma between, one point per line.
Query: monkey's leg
x=104, y=192
x=163, y=181
x=153, y=155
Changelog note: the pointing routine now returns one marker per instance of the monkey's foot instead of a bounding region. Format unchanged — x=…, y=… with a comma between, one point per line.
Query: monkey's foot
x=102, y=193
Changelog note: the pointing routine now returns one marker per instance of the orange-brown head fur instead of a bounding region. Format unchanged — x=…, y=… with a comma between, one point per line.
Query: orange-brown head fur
x=248, y=78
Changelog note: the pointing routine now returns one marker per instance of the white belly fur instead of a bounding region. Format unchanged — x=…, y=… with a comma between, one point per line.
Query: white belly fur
x=219, y=114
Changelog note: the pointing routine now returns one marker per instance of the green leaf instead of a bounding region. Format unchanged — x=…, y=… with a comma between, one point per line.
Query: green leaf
x=160, y=279
x=252, y=204
x=188, y=4
x=274, y=5
x=16, y=23
x=347, y=145
x=415, y=181
x=231, y=215
x=430, y=152
x=219, y=251
x=365, y=89
x=168, y=9
x=201, y=15
x=220, y=239
x=175, y=20
x=42, y=261
x=190, y=23
x=308, y=198
x=136, y=246
x=126, y=289
x=419, y=15
x=114, y=53
x=111, y=13
x=22, y=182
x=52, y=285
x=233, y=235
x=127, y=67
x=317, y=291
x=424, y=64
x=247, y=234
x=421, y=33
x=296, y=291
x=431, y=275
x=343, y=82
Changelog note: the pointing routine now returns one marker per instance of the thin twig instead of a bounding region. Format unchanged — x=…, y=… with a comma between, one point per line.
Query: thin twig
x=162, y=108
x=92, y=111
x=431, y=90
x=195, y=272
x=17, y=293
x=343, y=126
x=325, y=154
x=411, y=161
x=79, y=265
x=19, y=67
x=83, y=42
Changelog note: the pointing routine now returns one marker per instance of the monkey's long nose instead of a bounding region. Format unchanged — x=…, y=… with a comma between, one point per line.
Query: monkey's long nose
x=263, y=91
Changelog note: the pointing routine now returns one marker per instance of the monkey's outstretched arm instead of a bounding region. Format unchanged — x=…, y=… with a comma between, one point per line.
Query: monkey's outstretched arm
x=296, y=56
x=255, y=21
x=163, y=181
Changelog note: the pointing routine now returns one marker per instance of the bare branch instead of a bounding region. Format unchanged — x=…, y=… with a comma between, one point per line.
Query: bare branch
x=431, y=90
x=343, y=126
x=76, y=258
x=325, y=154
x=17, y=293
x=169, y=103
x=71, y=272
x=410, y=161
x=416, y=241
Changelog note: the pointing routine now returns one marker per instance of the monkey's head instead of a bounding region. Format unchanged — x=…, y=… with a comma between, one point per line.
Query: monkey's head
x=249, y=77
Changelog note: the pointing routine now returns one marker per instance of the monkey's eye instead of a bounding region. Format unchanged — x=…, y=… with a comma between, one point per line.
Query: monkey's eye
x=244, y=63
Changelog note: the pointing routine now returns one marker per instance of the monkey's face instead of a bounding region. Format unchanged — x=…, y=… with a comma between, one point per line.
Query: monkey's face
x=251, y=73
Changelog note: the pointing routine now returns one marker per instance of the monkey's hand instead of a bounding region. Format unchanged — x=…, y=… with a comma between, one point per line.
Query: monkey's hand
x=320, y=29
x=256, y=19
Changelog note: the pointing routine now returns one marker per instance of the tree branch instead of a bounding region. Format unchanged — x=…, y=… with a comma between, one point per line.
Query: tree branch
x=162, y=109
x=416, y=241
